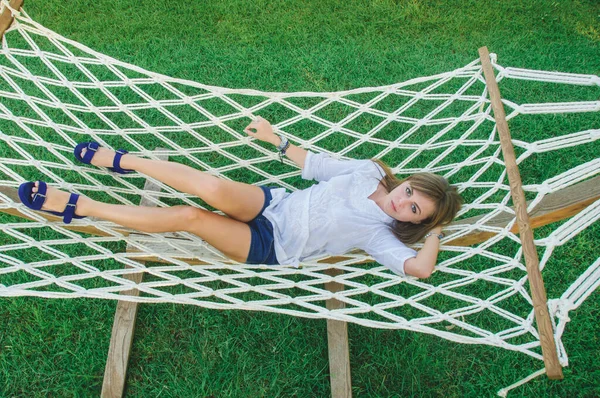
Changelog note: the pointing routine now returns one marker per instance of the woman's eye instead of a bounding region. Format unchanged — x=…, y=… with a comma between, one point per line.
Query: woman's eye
x=408, y=191
x=414, y=209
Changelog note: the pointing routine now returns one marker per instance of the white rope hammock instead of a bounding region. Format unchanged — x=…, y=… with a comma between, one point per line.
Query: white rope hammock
x=56, y=92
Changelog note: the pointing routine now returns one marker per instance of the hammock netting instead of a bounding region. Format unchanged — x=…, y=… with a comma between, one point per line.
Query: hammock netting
x=55, y=93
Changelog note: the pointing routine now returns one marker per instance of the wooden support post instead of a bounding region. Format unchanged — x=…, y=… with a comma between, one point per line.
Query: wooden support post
x=122, y=332
x=6, y=18
x=538, y=291
x=121, y=341
x=337, y=342
x=554, y=207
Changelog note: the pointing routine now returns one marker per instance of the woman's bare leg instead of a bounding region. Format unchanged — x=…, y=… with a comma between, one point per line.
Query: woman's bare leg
x=227, y=235
x=238, y=200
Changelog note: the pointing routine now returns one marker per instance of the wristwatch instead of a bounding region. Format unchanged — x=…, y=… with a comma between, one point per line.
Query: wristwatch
x=284, y=145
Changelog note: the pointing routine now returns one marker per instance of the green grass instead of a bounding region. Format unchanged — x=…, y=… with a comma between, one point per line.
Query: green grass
x=58, y=347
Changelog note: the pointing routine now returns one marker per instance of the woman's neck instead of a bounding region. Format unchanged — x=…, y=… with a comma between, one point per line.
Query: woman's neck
x=378, y=195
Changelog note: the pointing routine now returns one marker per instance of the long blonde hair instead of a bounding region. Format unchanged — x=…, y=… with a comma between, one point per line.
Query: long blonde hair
x=445, y=197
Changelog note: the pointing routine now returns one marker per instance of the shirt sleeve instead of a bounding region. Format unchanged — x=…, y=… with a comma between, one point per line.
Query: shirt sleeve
x=389, y=251
x=322, y=167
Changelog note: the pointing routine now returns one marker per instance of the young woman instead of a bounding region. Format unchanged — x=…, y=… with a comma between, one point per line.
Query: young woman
x=357, y=204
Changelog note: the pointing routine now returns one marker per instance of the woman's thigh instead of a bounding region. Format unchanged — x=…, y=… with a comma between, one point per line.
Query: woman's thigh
x=231, y=237
x=239, y=201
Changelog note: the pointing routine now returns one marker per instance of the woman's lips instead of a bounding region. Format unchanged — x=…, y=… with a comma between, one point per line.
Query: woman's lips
x=393, y=206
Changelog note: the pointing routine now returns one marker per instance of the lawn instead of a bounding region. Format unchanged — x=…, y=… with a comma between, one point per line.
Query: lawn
x=58, y=347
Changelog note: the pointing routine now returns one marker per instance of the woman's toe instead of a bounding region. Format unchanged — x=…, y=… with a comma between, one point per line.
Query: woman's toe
x=34, y=189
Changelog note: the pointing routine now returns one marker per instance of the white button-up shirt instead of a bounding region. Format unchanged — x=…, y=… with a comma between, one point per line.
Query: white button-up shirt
x=335, y=215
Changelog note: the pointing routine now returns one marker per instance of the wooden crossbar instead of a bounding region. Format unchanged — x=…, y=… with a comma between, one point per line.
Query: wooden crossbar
x=538, y=291
x=554, y=207
x=6, y=18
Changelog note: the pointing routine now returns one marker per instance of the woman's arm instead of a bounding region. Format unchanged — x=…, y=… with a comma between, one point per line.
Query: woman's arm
x=262, y=130
x=422, y=265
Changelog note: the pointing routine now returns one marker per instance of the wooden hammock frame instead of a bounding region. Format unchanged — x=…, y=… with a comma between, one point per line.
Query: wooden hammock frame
x=554, y=207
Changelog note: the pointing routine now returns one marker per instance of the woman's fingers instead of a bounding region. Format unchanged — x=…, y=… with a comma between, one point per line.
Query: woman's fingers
x=258, y=126
x=254, y=125
x=255, y=122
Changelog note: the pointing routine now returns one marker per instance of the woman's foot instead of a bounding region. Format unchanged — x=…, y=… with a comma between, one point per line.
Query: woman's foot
x=56, y=200
x=102, y=157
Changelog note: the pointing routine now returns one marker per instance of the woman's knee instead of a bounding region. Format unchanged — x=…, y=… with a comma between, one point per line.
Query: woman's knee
x=188, y=216
x=211, y=189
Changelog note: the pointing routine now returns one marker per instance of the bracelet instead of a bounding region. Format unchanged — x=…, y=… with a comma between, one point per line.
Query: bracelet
x=439, y=236
x=283, y=147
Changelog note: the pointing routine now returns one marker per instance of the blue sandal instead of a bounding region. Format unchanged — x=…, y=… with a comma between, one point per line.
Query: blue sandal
x=37, y=201
x=92, y=147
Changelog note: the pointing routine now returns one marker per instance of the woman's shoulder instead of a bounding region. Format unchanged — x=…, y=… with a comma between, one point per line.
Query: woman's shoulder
x=369, y=168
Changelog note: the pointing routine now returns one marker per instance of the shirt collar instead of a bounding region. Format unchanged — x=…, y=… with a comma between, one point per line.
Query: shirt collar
x=372, y=207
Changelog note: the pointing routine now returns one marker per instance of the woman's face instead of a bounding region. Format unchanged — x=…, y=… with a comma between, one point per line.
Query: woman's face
x=407, y=204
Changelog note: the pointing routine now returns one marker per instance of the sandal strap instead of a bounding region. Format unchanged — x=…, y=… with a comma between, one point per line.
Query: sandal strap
x=117, y=161
x=69, y=212
x=89, y=154
x=40, y=196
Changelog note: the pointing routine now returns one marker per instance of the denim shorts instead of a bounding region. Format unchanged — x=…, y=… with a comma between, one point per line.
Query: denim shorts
x=262, y=248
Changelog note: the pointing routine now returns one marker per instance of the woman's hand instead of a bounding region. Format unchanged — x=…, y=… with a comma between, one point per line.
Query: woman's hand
x=422, y=266
x=262, y=130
